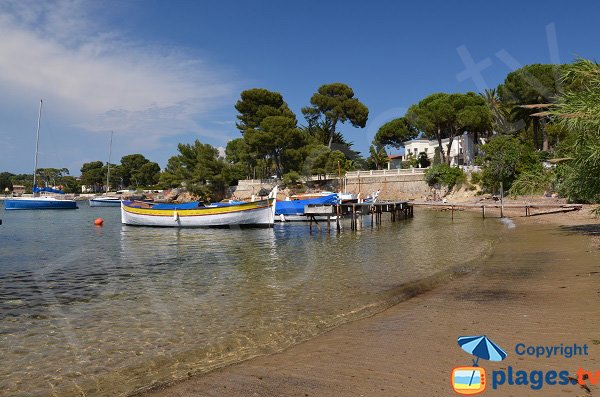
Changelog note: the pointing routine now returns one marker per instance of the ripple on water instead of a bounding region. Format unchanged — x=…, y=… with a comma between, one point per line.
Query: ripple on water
x=111, y=310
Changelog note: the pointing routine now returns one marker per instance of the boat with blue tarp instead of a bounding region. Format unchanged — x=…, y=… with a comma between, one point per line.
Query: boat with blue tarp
x=293, y=210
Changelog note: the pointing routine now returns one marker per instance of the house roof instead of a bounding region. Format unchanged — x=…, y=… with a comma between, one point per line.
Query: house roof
x=394, y=156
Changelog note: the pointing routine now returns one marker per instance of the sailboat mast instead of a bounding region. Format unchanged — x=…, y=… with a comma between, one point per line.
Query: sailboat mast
x=109, y=154
x=37, y=143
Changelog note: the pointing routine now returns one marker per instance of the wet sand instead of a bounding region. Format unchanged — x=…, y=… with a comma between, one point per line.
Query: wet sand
x=541, y=286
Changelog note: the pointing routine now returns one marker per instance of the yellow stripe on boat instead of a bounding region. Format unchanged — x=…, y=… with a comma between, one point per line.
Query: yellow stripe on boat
x=200, y=211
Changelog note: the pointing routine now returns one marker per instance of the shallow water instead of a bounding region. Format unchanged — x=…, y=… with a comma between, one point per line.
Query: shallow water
x=114, y=309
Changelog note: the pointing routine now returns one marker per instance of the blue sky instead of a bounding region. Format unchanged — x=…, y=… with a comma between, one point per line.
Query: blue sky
x=163, y=72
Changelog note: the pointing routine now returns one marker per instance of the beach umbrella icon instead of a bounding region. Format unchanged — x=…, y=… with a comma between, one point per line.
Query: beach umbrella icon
x=481, y=347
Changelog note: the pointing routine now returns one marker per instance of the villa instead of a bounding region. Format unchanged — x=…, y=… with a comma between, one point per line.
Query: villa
x=462, y=151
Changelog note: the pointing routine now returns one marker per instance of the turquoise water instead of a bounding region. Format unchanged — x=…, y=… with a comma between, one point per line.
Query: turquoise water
x=114, y=309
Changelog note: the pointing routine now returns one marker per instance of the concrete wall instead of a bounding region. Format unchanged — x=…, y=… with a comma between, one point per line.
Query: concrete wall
x=247, y=188
x=392, y=187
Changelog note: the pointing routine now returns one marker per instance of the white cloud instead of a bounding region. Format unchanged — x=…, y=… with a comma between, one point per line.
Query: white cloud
x=100, y=80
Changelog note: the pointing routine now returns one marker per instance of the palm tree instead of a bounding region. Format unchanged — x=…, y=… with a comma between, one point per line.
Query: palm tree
x=500, y=114
x=378, y=157
x=577, y=109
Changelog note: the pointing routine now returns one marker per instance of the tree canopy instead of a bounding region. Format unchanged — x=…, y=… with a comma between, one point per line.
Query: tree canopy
x=257, y=104
x=332, y=104
x=199, y=168
x=394, y=133
x=531, y=84
x=440, y=116
x=136, y=170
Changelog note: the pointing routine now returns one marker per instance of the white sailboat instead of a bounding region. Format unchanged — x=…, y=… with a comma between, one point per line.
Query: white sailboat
x=105, y=200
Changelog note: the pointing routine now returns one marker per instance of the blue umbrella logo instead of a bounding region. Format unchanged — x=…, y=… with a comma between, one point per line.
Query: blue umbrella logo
x=481, y=347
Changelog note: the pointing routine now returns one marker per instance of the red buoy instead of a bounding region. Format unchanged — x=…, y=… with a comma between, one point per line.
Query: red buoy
x=98, y=221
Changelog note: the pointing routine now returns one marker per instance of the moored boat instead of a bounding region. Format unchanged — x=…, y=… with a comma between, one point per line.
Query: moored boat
x=293, y=210
x=197, y=214
x=105, y=201
x=38, y=202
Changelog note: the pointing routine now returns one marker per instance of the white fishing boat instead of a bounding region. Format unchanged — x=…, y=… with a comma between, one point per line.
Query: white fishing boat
x=105, y=201
x=197, y=214
x=45, y=198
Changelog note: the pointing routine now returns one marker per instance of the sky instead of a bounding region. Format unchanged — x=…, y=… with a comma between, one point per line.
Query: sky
x=160, y=72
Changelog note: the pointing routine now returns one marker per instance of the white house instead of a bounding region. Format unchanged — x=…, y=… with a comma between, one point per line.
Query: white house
x=462, y=151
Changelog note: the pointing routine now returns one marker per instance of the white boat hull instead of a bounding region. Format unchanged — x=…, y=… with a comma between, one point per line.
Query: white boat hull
x=248, y=214
x=105, y=202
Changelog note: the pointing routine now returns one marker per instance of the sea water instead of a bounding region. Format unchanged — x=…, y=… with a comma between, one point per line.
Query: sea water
x=87, y=310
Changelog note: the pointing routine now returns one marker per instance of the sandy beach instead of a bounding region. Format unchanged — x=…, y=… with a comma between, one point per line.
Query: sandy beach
x=539, y=287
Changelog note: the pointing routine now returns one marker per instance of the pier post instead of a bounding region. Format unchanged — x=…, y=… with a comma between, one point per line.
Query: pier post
x=452, y=212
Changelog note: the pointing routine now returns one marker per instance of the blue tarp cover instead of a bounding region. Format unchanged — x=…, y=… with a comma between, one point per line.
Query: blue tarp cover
x=46, y=189
x=296, y=207
x=184, y=206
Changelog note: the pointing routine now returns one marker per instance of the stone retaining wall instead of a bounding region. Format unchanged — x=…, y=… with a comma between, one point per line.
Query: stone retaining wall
x=391, y=187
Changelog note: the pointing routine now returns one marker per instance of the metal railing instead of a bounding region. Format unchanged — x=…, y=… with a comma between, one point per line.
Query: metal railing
x=398, y=171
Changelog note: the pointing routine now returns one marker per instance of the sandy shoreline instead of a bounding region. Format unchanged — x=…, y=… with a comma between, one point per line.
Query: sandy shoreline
x=541, y=286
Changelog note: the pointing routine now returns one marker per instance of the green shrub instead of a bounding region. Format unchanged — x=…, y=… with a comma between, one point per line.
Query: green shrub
x=475, y=178
x=292, y=179
x=504, y=159
x=444, y=175
x=423, y=160
x=534, y=181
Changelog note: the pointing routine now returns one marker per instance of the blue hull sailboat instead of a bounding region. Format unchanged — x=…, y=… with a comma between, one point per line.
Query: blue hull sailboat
x=40, y=202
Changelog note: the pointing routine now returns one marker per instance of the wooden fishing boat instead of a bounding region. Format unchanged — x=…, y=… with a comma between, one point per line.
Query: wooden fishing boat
x=197, y=214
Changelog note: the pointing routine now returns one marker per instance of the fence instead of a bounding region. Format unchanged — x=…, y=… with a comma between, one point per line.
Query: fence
x=398, y=171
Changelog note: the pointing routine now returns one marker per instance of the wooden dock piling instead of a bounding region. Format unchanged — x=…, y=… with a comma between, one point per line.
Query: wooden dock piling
x=356, y=211
x=501, y=206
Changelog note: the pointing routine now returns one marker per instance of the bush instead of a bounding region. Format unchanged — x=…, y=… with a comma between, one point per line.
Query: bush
x=292, y=179
x=423, y=160
x=504, y=159
x=535, y=181
x=475, y=178
x=444, y=175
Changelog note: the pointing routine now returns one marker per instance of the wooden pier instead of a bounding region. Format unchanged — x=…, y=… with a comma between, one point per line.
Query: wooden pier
x=525, y=206
x=396, y=209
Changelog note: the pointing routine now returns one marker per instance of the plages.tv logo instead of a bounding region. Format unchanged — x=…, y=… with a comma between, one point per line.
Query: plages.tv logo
x=472, y=379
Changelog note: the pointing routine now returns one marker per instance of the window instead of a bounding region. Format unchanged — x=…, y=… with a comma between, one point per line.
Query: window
x=415, y=150
x=425, y=150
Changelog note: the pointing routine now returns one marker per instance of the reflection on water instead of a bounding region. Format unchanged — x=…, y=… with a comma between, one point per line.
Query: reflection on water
x=107, y=311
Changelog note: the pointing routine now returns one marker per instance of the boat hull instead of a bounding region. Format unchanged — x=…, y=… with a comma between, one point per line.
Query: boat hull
x=39, y=203
x=101, y=202
x=259, y=213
